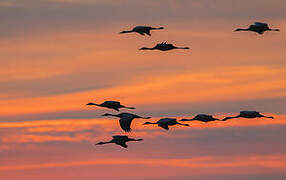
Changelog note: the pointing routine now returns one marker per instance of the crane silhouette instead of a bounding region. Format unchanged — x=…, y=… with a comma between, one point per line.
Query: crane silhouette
x=164, y=46
x=111, y=105
x=125, y=119
x=142, y=30
x=166, y=122
x=248, y=114
x=202, y=117
x=258, y=27
x=119, y=140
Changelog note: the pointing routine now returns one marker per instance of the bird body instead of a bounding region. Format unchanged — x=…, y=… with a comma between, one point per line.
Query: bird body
x=142, y=30
x=164, y=46
x=120, y=140
x=126, y=119
x=248, y=114
x=111, y=105
x=202, y=117
x=166, y=122
x=258, y=27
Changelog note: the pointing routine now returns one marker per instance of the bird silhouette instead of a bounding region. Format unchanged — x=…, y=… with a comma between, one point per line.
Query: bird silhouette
x=248, y=114
x=258, y=27
x=166, y=122
x=111, y=105
x=119, y=140
x=164, y=46
x=202, y=117
x=142, y=30
x=125, y=119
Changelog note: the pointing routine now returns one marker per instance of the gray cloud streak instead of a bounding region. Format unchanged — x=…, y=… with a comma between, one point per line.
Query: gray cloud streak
x=47, y=15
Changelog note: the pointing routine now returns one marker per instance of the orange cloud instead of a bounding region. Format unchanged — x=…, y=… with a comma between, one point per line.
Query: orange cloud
x=269, y=161
x=178, y=88
x=43, y=138
x=70, y=122
x=108, y=126
x=221, y=66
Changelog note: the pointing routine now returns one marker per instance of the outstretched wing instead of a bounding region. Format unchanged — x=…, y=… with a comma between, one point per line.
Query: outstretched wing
x=197, y=117
x=261, y=24
x=148, y=32
x=170, y=45
x=120, y=137
x=140, y=32
x=112, y=105
x=257, y=113
x=125, y=123
x=165, y=126
x=114, y=102
x=247, y=113
x=123, y=144
x=161, y=45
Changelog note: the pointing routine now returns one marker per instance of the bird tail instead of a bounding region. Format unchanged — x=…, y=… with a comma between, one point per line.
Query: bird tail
x=130, y=107
x=227, y=118
x=186, y=120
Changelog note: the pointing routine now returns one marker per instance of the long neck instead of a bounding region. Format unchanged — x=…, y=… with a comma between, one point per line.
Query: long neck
x=187, y=119
x=136, y=116
x=182, y=48
x=115, y=115
x=144, y=117
x=239, y=29
x=145, y=48
x=151, y=123
x=94, y=104
x=231, y=117
x=107, y=142
x=182, y=124
x=131, y=139
x=129, y=107
x=127, y=31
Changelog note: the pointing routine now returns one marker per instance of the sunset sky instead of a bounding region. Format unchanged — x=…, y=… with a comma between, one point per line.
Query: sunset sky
x=58, y=55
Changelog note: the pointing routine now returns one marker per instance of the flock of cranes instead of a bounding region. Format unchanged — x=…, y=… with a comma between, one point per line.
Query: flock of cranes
x=125, y=119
